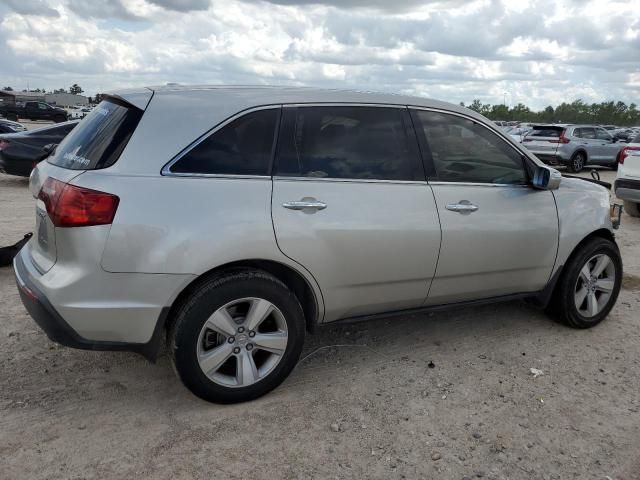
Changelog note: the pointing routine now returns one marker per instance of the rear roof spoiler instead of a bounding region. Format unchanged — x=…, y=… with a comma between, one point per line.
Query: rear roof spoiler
x=138, y=97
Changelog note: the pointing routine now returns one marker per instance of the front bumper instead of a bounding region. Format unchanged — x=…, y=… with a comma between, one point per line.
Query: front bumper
x=59, y=331
x=627, y=189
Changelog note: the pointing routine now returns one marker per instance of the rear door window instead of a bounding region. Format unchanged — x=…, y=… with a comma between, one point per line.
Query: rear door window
x=242, y=147
x=100, y=138
x=348, y=142
x=588, y=133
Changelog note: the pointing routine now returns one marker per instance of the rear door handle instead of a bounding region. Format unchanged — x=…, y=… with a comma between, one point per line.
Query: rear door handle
x=305, y=204
x=464, y=207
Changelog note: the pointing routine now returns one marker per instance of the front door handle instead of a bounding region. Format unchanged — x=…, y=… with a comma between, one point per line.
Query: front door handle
x=305, y=204
x=464, y=207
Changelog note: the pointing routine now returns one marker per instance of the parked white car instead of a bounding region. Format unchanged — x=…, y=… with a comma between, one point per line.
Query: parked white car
x=627, y=184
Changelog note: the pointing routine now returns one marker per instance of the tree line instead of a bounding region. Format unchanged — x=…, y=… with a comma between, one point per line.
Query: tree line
x=604, y=113
x=74, y=89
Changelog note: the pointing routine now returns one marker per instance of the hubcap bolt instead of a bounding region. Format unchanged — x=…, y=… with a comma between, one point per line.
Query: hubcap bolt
x=240, y=329
x=252, y=334
x=250, y=346
x=231, y=339
x=236, y=350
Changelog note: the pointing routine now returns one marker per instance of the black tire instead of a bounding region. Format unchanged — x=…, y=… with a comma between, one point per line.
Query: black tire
x=577, y=163
x=563, y=304
x=60, y=119
x=632, y=208
x=12, y=117
x=213, y=294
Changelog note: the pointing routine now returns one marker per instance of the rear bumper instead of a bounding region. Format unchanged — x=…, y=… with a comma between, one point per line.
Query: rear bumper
x=60, y=331
x=626, y=189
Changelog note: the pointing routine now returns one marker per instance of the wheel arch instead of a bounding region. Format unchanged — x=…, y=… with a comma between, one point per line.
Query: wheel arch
x=583, y=151
x=547, y=294
x=293, y=279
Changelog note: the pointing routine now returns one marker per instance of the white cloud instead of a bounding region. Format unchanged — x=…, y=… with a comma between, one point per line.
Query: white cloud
x=540, y=52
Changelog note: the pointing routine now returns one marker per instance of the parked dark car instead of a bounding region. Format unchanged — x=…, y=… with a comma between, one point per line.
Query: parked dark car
x=34, y=111
x=20, y=152
x=7, y=126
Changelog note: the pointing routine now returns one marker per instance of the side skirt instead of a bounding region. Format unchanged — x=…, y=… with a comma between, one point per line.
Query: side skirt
x=537, y=297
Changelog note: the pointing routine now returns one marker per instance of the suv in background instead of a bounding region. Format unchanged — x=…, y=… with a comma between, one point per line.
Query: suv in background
x=573, y=146
x=231, y=220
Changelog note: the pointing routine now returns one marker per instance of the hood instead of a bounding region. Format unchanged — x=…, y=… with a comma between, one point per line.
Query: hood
x=578, y=185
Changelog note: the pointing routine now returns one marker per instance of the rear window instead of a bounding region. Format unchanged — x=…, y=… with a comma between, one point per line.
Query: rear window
x=100, y=138
x=546, y=132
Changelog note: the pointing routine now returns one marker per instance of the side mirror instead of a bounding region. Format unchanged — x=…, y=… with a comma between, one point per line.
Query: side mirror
x=546, y=178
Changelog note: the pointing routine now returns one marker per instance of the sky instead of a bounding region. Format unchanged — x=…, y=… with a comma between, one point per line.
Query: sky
x=538, y=52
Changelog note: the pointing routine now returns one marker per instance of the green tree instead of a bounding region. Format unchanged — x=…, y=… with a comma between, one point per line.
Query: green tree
x=476, y=106
x=8, y=89
x=75, y=89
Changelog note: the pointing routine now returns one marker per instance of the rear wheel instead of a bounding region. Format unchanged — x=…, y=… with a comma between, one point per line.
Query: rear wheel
x=237, y=337
x=632, y=208
x=589, y=286
x=577, y=162
x=12, y=116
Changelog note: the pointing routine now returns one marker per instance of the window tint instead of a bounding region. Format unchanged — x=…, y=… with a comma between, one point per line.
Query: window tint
x=588, y=133
x=463, y=151
x=243, y=147
x=542, y=131
x=99, y=139
x=602, y=134
x=347, y=142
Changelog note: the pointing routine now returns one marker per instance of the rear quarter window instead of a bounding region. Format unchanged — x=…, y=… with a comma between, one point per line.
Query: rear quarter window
x=100, y=138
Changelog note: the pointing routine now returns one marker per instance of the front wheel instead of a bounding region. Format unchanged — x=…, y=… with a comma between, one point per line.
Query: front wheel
x=590, y=284
x=237, y=337
x=13, y=117
x=577, y=162
x=632, y=208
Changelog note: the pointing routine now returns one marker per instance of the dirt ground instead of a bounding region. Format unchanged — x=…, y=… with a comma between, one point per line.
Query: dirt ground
x=365, y=405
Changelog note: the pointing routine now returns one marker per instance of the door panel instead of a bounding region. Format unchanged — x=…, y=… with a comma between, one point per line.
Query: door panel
x=373, y=248
x=508, y=245
x=499, y=236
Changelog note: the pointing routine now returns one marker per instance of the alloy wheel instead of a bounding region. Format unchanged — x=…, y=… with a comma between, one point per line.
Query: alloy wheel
x=242, y=342
x=595, y=285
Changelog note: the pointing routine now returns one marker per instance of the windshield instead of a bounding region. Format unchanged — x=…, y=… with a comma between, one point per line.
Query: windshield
x=100, y=138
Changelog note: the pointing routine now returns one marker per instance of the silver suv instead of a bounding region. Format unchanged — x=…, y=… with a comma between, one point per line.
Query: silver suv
x=231, y=221
x=573, y=146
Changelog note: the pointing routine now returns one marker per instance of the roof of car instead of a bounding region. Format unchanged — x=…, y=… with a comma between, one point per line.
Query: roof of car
x=269, y=94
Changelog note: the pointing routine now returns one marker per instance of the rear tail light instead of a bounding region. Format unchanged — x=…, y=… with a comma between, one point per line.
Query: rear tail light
x=625, y=152
x=3, y=144
x=561, y=139
x=72, y=206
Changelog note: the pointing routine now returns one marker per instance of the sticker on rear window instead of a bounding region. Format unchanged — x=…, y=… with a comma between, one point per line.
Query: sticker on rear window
x=76, y=158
